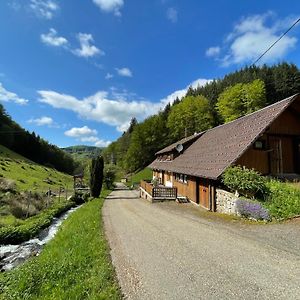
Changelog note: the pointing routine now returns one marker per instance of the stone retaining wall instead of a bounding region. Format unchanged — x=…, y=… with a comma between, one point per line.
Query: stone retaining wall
x=226, y=202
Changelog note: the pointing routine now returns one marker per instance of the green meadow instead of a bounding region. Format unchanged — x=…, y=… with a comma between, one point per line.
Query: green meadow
x=75, y=265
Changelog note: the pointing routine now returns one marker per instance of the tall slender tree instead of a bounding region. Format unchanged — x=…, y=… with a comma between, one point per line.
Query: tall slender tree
x=96, y=176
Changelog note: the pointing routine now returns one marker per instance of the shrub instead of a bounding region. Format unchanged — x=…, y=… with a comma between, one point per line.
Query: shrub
x=25, y=204
x=245, y=181
x=252, y=209
x=283, y=200
x=80, y=197
x=109, y=176
x=7, y=185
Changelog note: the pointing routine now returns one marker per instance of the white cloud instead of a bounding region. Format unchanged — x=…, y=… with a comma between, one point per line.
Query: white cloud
x=89, y=139
x=42, y=121
x=7, y=96
x=109, y=76
x=100, y=108
x=114, y=108
x=252, y=36
x=80, y=132
x=102, y=143
x=86, y=48
x=44, y=8
x=125, y=72
x=86, y=135
x=110, y=6
x=52, y=39
x=181, y=93
x=213, y=51
x=172, y=14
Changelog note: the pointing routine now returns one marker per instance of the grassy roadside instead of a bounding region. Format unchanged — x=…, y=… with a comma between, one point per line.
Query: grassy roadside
x=74, y=265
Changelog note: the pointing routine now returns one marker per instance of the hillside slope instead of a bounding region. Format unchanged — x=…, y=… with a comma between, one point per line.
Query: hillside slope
x=29, y=175
x=82, y=152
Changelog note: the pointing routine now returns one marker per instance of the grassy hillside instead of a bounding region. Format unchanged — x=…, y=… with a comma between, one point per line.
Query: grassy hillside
x=136, y=178
x=83, y=152
x=29, y=175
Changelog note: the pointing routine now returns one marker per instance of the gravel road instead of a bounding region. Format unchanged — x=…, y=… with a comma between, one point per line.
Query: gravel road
x=177, y=251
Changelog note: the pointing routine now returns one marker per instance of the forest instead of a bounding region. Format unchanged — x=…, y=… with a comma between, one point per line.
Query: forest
x=204, y=107
x=32, y=146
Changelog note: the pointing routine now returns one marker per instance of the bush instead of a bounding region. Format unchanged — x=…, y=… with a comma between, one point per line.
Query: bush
x=252, y=209
x=25, y=204
x=7, y=185
x=109, y=176
x=245, y=181
x=80, y=197
x=283, y=200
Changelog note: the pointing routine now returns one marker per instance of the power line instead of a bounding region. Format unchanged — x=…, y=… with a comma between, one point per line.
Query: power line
x=295, y=23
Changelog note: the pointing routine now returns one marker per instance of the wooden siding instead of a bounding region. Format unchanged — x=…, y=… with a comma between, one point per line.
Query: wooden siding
x=257, y=159
x=187, y=189
x=197, y=190
x=287, y=123
x=279, y=155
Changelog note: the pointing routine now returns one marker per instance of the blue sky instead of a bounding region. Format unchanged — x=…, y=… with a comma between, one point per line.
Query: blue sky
x=76, y=72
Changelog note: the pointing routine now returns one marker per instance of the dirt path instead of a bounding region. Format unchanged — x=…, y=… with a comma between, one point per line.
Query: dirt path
x=171, y=251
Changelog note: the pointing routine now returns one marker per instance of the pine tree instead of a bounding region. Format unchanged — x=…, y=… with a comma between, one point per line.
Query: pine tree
x=96, y=176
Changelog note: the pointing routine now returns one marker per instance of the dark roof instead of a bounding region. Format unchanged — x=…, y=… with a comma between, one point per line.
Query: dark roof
x=220, y=147
x=183, y=142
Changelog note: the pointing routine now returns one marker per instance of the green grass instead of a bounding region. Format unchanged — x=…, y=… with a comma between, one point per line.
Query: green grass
x=29, y=175
x=136, y=178
x=283, y=200
x=15, y=231
x=74, y=265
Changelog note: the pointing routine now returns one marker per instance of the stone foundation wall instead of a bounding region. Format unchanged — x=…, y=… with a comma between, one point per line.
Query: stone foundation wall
x=226, y=202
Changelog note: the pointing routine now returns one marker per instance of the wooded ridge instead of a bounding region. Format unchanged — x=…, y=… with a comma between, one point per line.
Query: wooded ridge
x=204, y=107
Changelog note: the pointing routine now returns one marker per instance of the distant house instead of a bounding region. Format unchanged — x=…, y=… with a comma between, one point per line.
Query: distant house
x=267, y=140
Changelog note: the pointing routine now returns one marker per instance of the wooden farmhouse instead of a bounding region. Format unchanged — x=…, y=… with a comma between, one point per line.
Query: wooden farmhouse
x=267, y=140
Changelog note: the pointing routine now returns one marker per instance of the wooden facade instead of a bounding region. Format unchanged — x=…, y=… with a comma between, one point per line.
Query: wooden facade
x=280, y=147
x=267, y=141
x=197, y=190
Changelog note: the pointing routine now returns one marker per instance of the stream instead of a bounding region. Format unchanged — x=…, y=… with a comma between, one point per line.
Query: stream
x=13, y=255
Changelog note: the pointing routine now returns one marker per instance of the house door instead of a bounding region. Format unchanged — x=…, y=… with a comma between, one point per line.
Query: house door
x=203, y=193
x=275, y=155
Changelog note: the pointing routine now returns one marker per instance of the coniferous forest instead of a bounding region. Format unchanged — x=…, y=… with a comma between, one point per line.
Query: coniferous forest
x=204, y=107
x=32, y=146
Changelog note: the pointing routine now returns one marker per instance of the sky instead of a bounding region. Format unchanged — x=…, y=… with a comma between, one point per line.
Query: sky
x=76, y=72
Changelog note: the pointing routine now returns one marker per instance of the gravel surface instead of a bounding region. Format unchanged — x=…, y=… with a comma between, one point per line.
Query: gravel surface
x=178, y=251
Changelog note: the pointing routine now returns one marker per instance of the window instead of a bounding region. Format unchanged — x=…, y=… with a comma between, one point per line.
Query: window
x=259, y=145
x=185, y=178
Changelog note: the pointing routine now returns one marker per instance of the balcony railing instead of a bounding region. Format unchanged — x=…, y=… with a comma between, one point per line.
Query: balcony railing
x=160, y=192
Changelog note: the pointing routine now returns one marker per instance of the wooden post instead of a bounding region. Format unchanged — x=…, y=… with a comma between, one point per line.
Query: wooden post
x=66, y=193
x=28, y=204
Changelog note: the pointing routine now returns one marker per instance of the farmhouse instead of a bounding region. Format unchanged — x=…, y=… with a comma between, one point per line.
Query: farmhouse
x=267, y=140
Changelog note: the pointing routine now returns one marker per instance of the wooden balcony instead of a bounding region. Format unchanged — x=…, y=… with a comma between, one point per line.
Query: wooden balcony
x=157, y=193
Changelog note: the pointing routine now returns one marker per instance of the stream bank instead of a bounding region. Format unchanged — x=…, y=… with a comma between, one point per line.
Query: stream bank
x=13, y=255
